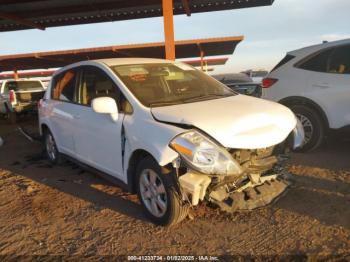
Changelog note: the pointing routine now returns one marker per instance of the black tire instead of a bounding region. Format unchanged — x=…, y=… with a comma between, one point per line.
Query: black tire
x=318, y=128
x=11, y=116
x=55, y=156
x=176, y=209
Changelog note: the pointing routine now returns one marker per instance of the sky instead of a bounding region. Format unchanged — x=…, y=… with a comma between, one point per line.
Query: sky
x=269, y=32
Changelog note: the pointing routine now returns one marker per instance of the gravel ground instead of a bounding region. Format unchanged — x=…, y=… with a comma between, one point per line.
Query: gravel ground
x=65, y=211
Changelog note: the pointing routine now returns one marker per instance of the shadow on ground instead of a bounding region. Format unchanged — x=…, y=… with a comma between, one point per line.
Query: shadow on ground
x=322, y=199
x=24, y=158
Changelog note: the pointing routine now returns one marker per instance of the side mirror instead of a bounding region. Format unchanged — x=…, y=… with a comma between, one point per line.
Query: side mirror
x=105, y=105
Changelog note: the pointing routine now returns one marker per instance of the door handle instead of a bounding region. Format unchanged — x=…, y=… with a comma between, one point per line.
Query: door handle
x=323, y=85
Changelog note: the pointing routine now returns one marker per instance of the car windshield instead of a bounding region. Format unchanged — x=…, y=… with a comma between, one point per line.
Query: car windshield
x=161, y=84
x=23, y=85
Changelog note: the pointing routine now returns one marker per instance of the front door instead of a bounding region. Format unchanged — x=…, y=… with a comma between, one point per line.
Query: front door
x=98, y=137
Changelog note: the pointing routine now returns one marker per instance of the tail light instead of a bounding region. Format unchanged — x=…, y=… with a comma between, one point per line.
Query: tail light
x=268, y=82
x=12, y=96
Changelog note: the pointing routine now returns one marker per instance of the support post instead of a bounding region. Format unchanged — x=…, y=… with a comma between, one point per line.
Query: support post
x=202, y=60
x=15, y=74
x=168, y=16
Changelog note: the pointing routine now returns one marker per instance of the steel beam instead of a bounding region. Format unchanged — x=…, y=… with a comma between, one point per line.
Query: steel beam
x=168, y=17
x=15, y=74
x=20, y=21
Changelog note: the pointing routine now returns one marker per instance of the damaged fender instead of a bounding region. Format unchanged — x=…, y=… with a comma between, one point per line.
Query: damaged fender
x=157, y=143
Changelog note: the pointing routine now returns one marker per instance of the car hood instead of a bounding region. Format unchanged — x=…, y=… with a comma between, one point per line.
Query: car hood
x=239, y=121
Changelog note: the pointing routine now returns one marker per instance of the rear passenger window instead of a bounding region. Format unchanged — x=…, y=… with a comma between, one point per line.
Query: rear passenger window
x=64, y=86
x=317, y=63
x=340, y=60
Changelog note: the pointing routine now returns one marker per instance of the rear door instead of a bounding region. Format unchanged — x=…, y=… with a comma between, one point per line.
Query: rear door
x=98, y=138
x=338, y=98
x=331, y=87
x=63, y=110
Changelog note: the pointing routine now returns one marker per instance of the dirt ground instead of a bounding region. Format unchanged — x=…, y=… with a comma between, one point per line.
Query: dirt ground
x=66, y=211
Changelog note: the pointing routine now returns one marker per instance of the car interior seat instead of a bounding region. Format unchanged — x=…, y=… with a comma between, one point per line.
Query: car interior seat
x=341, y=69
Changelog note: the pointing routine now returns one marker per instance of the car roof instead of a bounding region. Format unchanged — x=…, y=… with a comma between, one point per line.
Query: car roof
x=114, y=62
x=314, y=48
x=130, y=61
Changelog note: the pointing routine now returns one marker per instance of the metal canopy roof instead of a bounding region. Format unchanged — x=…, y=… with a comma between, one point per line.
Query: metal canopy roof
x=184, y=49
x=27, y=74
x=27, y=14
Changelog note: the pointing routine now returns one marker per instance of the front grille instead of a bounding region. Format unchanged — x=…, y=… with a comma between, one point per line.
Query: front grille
x=254, y=160
x=244, y=155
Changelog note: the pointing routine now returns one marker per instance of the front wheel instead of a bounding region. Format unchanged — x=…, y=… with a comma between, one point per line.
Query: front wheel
x=158, y=194
x=313, y=127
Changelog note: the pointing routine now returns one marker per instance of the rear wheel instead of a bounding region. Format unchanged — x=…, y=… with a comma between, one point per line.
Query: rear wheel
x=51, y=148
x=158, y=194
x=313, y=127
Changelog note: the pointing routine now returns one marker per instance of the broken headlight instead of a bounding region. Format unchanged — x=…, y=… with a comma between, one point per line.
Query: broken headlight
x=204, y=155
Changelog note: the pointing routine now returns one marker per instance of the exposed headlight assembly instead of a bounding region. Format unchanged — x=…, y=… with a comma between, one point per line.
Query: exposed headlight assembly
x=204, y=155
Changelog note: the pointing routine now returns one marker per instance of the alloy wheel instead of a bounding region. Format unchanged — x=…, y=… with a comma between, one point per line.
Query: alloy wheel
x=51, y=147
x=153, y=193
x=308, y=127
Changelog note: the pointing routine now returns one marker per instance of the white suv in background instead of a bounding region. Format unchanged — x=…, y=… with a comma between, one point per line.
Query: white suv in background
x=315, y=83
x=169, y=132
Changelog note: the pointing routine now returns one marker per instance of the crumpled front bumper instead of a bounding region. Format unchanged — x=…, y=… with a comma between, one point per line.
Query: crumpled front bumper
x=258, y=191
x=252, y=196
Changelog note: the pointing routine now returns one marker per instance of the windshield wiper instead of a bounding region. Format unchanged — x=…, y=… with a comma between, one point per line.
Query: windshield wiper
x=165, y=103
x=205, y=97
x=187, y=100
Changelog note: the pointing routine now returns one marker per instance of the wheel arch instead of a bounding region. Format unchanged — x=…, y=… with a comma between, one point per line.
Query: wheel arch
x=43, y=128
x=134, y=159
x=298, y=100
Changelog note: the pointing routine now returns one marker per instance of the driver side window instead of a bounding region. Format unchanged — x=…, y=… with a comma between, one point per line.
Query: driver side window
x=96, y=83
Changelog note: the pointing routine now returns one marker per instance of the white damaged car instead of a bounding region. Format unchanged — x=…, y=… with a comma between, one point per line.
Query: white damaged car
x=169, y=132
